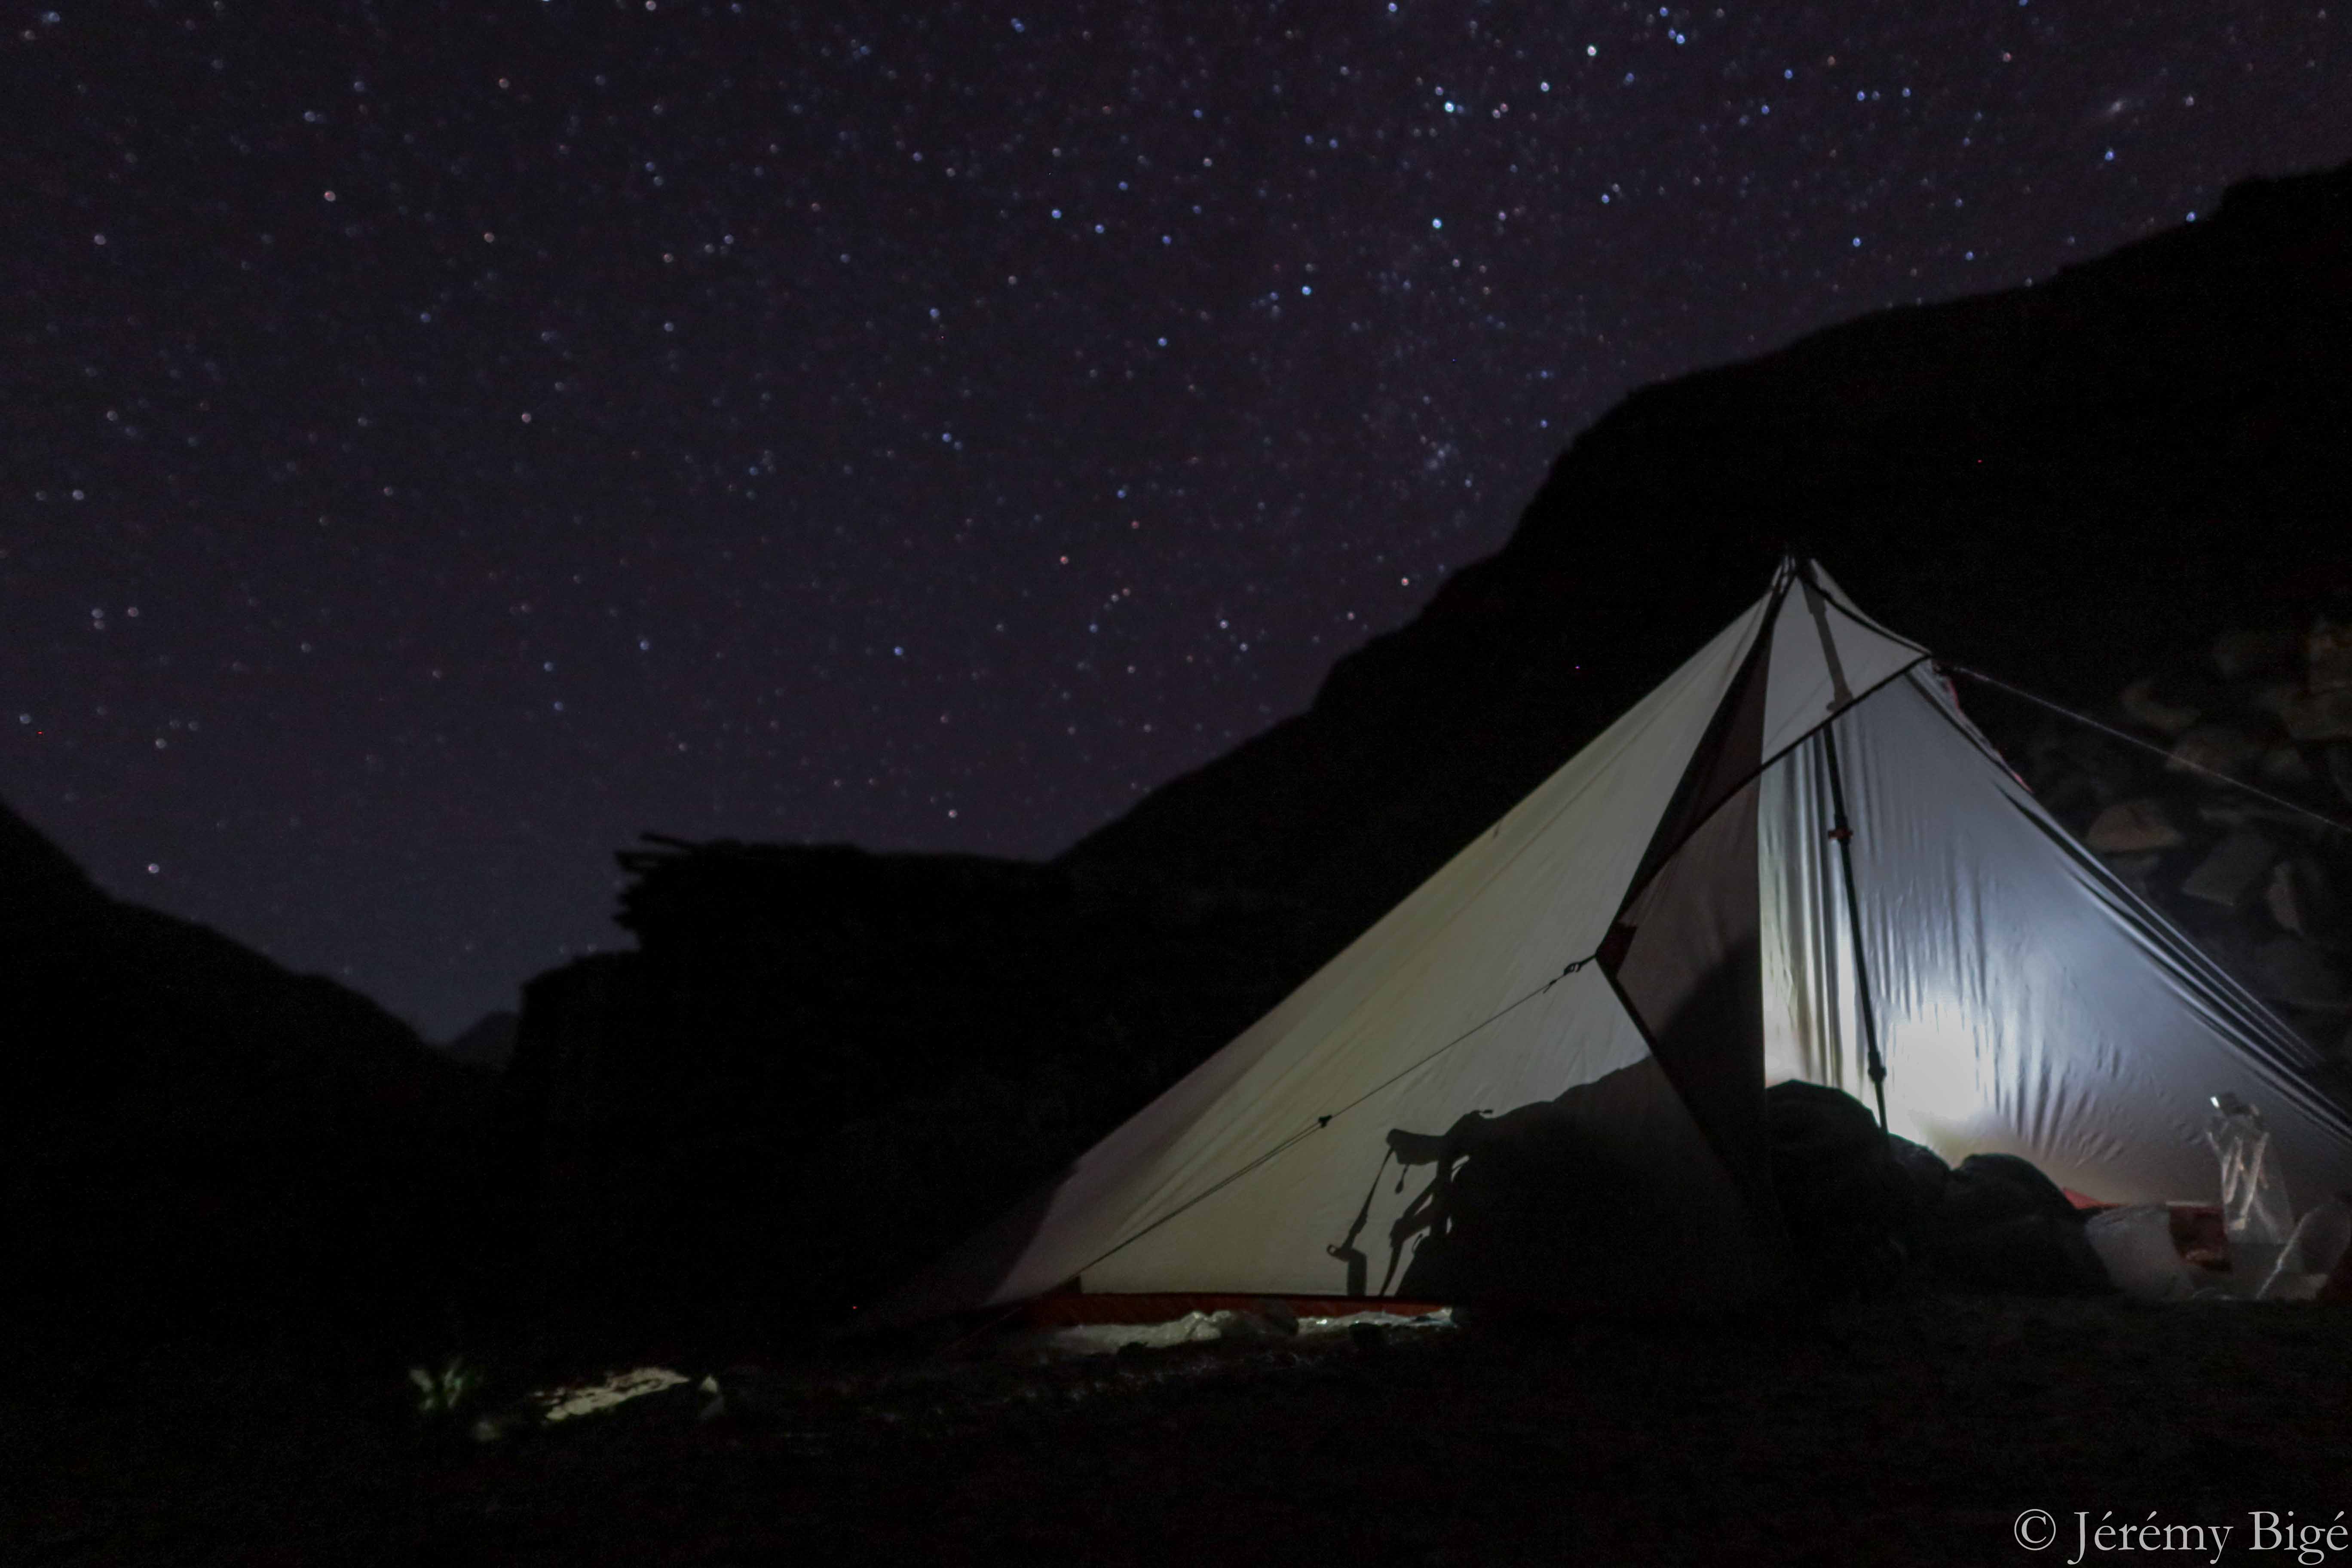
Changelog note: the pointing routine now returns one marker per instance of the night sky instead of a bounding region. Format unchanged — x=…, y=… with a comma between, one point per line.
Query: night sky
x=442, y=441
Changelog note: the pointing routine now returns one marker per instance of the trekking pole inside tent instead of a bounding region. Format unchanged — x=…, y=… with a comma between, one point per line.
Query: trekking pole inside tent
x=1841, y=698
x=1843, y=831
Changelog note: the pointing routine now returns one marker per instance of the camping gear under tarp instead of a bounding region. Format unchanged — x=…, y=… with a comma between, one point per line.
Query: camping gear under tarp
x=1795, y=858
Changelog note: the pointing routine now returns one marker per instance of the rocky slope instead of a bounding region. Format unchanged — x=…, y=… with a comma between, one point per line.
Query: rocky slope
x=200, y=1140
x=2167, y=794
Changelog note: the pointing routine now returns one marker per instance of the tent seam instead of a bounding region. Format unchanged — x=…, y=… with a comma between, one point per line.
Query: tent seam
x=1767, y=765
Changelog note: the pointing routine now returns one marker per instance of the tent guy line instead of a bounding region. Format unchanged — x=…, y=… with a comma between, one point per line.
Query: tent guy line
x=1842, y=700
x=2129, y=739
x=1641, y=884
x=2214, y=999
x=1325, y=1119
x=2026, y=1002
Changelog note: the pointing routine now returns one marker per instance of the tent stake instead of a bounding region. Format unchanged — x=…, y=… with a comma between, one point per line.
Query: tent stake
x=1843, y=831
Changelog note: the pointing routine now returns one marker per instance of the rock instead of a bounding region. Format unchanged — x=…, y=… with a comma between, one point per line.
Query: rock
x=2231, y=870
x=2214, y=748
x=2132, y=826
x=2327, y=655
x=2286, y=901
x=686, y=1403
x=2317, y=715
x=2273, y=696
x=2302, y=899
x=2070, y=796
x=2141, y=701
x=754, y=1395
x=2245, y=811
x=1255, y=1324
x=2135, y=871
x=2243, y=653
x=2339, y=770
x=1278, y=1313
x=2290, y=970
x=2285, y=765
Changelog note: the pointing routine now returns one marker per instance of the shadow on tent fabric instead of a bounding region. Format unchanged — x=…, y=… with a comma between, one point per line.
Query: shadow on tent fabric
x=1605, y=1196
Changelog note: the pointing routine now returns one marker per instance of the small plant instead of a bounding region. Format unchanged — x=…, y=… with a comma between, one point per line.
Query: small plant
x=439, y=1395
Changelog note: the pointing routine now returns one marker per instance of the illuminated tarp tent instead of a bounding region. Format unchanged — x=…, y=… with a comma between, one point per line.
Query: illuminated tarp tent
x=1542, y=1074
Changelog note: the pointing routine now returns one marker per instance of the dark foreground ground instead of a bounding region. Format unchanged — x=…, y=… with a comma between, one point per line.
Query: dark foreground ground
x=1911, y=1431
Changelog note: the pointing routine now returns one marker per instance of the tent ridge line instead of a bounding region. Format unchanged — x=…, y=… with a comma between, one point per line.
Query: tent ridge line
x=1859, y=619
x=1817, y=606
x=1536, y=833
x=1541, y=824
x=1755, y=664
x=1766, y=766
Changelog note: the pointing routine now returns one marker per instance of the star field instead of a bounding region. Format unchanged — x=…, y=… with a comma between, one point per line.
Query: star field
x=446, y=440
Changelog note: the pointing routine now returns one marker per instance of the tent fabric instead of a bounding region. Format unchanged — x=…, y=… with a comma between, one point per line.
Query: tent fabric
x=1581, y=1009
x=1418, y=1013
x=2027, y=1002
x=1801, y=690
x=1689, y=978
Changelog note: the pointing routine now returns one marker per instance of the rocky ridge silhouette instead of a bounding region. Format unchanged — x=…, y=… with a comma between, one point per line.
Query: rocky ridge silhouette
x=202, y=1141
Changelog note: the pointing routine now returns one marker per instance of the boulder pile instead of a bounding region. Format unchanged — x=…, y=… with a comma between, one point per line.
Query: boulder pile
x=2261, y=881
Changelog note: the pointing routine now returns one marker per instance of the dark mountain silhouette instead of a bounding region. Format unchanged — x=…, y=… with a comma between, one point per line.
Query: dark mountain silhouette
x=203, y=1141
x=821, y=1064
x=2071, y=482
x=487, y=1044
